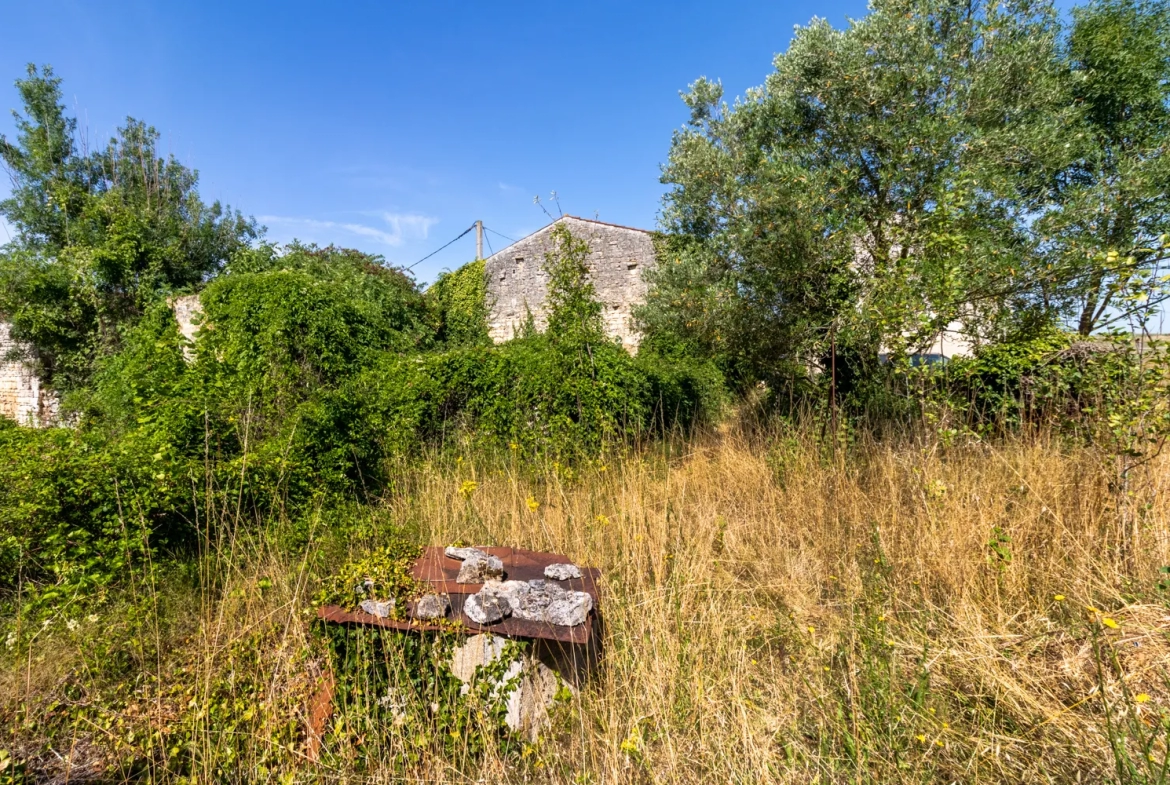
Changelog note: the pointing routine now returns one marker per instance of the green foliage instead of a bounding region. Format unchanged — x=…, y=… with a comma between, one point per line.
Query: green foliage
x=382, y=575
x=396, y=696
x=858, y=198
x=100, y=235
x=1102, y=234
x=568, y=392
x=574, y=314
x=459, y=302
x=76, y=512
x=307, y=381
x=933, y=164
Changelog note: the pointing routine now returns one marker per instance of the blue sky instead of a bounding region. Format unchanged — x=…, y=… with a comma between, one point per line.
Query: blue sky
x=390, y=127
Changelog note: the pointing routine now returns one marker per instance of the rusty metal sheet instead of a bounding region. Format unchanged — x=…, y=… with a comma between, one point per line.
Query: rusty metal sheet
x=433, y=567
x=509, y=627
x=320, y=710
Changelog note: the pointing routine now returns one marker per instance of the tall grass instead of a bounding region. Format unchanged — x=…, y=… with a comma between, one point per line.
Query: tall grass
x=775, y=611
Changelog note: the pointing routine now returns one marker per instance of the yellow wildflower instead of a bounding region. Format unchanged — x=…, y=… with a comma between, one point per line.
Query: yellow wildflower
x=1110, y=623
x=532, y=503
x=467, y=488
x=1141, y=697
x=1058, y=597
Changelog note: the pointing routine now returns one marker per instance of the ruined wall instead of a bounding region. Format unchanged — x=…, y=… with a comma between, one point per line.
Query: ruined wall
x=26, y=400
x=22, y=396
x=516, y=282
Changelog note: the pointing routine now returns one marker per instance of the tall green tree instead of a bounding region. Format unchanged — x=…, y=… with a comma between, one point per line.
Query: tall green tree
x=100, y=235
x=1107, y=208
x=868, y=195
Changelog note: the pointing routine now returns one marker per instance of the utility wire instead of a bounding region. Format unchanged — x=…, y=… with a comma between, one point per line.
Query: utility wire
x=506, y=237
x=432, y=253
x=491, y=251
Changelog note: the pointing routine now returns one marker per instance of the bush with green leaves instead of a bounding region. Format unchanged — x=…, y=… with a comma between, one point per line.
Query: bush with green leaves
x=460, y=306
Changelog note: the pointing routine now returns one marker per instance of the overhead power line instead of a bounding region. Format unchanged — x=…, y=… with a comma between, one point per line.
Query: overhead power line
x=506, y=237
x=432, y=253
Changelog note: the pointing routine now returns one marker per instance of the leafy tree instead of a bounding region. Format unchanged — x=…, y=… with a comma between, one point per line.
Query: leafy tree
x=100, y=235
x=1107, y=207
x=574, y=314
x=867, y=195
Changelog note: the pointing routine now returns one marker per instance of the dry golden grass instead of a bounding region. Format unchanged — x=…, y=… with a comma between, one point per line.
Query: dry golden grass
x=777, y=612
x=771, y=608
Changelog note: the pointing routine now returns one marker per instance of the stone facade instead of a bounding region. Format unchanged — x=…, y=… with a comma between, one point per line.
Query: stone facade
x=22, y=396
x=25, y=399
x=619, y=255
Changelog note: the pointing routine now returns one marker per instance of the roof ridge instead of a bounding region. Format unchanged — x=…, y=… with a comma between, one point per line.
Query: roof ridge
x=603, y=223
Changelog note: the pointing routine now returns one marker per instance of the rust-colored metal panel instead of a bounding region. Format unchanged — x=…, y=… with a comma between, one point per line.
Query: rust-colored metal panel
x=320, y=710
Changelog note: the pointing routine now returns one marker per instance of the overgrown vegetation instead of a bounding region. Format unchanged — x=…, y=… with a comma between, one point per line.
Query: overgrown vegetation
x=825, y=556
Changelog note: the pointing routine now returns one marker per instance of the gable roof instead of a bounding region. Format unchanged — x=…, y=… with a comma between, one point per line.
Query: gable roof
x=575, y=218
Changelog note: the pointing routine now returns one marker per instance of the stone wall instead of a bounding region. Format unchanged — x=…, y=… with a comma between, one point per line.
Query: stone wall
x=22, y=396
x=25, y=399
x=517, y=284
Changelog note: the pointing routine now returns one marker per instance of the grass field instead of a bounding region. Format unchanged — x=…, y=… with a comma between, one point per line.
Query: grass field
x=776, y=611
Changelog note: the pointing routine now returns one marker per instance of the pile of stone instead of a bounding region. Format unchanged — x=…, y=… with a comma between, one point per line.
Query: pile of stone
x=534, y=600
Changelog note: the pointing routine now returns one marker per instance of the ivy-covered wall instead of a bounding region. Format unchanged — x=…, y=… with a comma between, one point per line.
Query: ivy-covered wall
x=618, y=255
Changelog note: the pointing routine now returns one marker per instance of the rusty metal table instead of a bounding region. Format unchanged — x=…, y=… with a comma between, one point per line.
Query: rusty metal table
x=433, y=567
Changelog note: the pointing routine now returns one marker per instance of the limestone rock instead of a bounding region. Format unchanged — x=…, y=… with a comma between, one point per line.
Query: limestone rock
x=477, y=650
x=569, y=609
x=453, y=552
x=380, y=609
x=501, y=596
x=562, y=572
x=480, y=569
x=432, y=606
x=531, y=694
x=538, y=600
x=484, y=607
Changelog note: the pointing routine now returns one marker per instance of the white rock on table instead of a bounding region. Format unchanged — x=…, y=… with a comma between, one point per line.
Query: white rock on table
x=570, y=609
x=432, y=606
x=453, y=552
x=380, y=609
x=486, y=608
x=493, y=602
x=480, y=569
x=562, y=572
x=538, y=600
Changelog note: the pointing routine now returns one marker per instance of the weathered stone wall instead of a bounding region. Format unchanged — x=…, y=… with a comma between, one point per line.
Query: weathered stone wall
x=25, y=399
x=517, y=283
x=22, y=396
x=186, y=309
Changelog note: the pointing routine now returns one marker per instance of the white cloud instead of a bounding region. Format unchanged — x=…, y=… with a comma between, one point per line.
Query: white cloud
x=409, y=226
x=400, y=227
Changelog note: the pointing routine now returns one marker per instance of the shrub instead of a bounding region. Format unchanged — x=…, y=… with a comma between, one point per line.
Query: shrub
x=459, y=305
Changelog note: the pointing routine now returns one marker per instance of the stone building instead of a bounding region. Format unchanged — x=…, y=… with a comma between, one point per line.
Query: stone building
x=618, y=256
x=25, y=399
x=22, y=396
